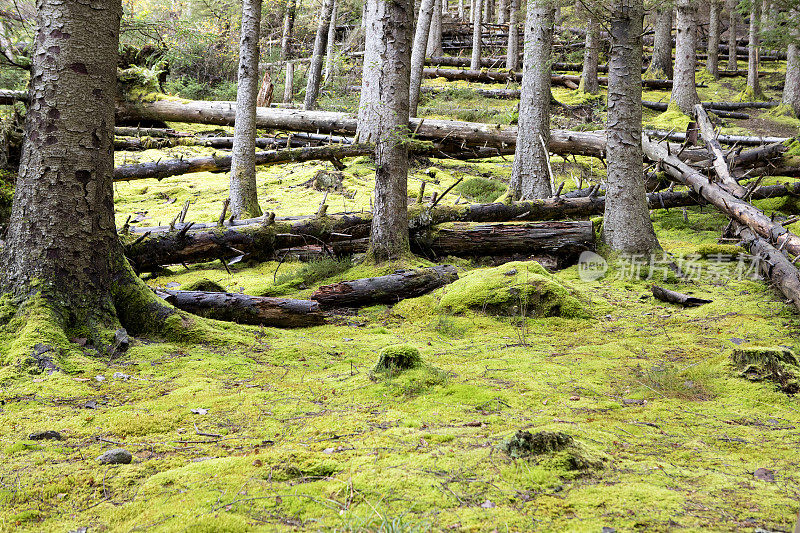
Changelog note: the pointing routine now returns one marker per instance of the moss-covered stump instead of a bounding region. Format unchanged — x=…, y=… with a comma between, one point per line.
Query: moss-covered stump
x=326, y=180
x=520, y=288
x=557, y=449
x=776, y=364
x=396, y=358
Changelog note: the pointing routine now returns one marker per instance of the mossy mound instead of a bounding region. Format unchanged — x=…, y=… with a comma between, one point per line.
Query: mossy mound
x=204, y=284
x=720, y=250
x=776, y=364
x=513, y=289
x=671, y=119
x=481, y=190
x=397, y=358
x=557, y=449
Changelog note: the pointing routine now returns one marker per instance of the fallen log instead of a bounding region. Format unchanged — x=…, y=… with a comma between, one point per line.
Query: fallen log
x=718, y=158
x=772, y=263
x=126, y=131
x=497, y=76
x=9, y=97
x=744, y=140
x=674, y=297
x=736, y=208
x=384, y=289
x=245, y=309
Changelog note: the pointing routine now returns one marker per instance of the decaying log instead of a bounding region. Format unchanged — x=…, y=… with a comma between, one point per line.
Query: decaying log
x=718, y=158
x=126, y=131
x=772, y=263
x=384, y=289
x=742, y=140
x=245, y=309
x=496, y=76
x=736, y=208
x=674, y=297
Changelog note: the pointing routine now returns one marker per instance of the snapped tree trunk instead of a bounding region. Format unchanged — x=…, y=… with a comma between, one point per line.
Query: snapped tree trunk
x=320, y=43
x=512, y=52
x=733, y=20
x=243, y=192
x=714, y=12
x=753, y=84
x=434, y=45
x=589, y=82
x=418, y=53
x=684, y=91
x=476, y=34
x=331, y=44
x=661, y=62
x=530, y=176
x=791, y=87
x=626, y=224
x=391, y=26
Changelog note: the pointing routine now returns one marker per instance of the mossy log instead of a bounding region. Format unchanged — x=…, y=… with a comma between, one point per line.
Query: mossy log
x=384, y=289
x=742, y=140
x=245, y=309
x=718, y=160
x=736, y=208
x=499, y=76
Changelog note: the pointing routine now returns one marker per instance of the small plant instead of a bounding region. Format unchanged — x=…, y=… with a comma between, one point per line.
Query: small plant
x=446, y=326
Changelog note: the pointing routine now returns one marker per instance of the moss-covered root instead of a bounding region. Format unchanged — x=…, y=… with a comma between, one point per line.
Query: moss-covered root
x=776, y=364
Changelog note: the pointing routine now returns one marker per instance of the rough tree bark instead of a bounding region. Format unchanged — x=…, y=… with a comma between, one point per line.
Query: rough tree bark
x=589, y=82
x=476, y=34
x=714, y=12
x=661, y=62
x=626, y=224
x=733, y=21
x=62, y=260
x=320, y=43
x=288, y=27
x=331, y=44
x=243, y=191
x=512, y=52
x=418, y=53
x=389, y=34
x=684, y=90
x=791, y=88
x=502, y=10
x=753, y=85
x=530, y=177
x=434, y=45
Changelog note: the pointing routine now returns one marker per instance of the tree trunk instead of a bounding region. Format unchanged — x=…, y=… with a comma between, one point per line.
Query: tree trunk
x=530, y=177
x=791, y=88
x=589, y=82
x=392, y=27
x=320, y=43
x=476, y=35
x=243, y=192
x=434, y=45
x=733, y=20
x=512, y=52
x=331, y=44
x=684, y=91
x=387, y=289
x=719, y=162
x=661, y=62
x=460, y=9
x=288, y=27
x=753, y=84
x=626, y=224
x=288, y=83
x=502, y=9
x=712, y=63
x=418, y=53
x=772, y=263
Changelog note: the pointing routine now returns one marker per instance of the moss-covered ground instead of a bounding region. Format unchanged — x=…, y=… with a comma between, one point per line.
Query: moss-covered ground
x=266, y=429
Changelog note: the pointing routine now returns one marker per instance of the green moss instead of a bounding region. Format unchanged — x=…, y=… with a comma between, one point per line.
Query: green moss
x=671, y=119
x=560, y=450
x=204, y=284
x=522, y=288
x=776, y=364
x=481, y=190
x=398, y=358
x=718, y=250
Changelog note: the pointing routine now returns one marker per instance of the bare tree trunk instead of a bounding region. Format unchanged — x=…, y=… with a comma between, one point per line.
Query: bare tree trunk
x=530, y=177
x=791, y=88
x=434, y=46
x=389, y=29
x=331, y=45
x=589, y=82
x=243, y=191
x=288, y=28
x=476, y=34
x=626, y=224
x=460, y=9
x=714, y=11
x=661, y=62
x=753, y=85
x=418, y=53
x=502, y=8
x=684, y=90
x=288, y=83
x=733, y=20
x=315, y=68
x=512, y=52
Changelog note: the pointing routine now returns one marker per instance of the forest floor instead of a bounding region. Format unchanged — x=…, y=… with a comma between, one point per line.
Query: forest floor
x=667, y=434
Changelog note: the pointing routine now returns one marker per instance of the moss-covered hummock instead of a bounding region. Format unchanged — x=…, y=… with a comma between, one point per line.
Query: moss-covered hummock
x=397, y=358
x=776, y=364
x=559, y=450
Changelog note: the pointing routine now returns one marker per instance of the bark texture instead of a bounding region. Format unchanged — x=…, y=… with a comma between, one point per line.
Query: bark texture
x=418, y=53
x=753, y=85
x=733, y=22
x=684, y=90
x=589, y=82
x=477, y=5
x=331, y=44
x=626, y=224
x=288, y=28
x=530, y=177
x=714, y=12
x=434, y=45
x=791, y=88
x=243, y=192
x=512, y=52
x=320, y=43
x=661, y=62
